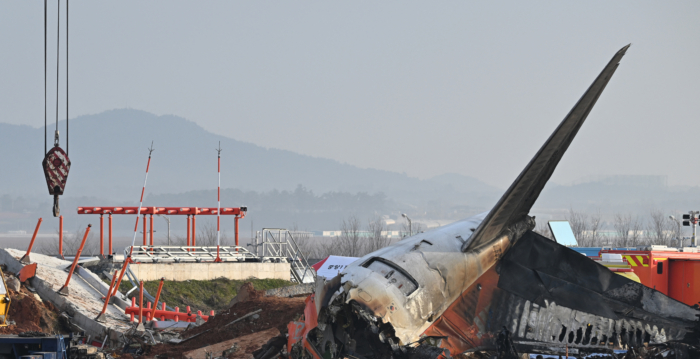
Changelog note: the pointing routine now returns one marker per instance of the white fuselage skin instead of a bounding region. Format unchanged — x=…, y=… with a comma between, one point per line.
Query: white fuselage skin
x=441, y=270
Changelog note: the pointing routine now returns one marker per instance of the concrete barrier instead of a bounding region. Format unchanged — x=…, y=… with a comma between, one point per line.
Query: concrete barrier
x=209, y=271
x=82, y=306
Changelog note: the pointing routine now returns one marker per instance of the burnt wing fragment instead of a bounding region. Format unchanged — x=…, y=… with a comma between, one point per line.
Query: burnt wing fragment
x=557, y=296
x=550, y=299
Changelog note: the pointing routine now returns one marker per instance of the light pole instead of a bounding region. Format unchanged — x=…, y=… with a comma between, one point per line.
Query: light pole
x=691, y=218
x=410, y=229
x=680, y=238
x=167, y=219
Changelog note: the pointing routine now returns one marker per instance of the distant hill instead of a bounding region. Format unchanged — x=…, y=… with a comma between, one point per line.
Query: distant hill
x=108, y=154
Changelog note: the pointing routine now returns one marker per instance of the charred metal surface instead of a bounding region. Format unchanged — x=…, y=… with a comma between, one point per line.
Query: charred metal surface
x=553, y=294
x=552, y=298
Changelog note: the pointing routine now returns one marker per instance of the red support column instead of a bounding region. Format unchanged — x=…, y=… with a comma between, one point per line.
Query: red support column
x=141, y=301
x=102, y=236
x=155, y=303
x=151, y=232
x=25, y=258
x=101, y=317
x=236, y=229
x=194, y=230
x=64, y=289
x=145, y=230
x=121, y=276
x=188, y=231
x=110, y=234
x=60, y=236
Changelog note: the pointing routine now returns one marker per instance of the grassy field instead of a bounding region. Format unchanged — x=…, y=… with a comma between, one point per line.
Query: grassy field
x=204, y=295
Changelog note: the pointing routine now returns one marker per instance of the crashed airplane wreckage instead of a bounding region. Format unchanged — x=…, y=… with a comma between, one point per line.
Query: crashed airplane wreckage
x=489, y=284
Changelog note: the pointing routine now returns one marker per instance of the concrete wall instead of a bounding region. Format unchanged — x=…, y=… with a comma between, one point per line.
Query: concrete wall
x=208, y=271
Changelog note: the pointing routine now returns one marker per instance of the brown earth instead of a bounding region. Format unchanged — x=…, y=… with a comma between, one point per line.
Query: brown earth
x=31, y=314
x=276, y=313
x=244, y=346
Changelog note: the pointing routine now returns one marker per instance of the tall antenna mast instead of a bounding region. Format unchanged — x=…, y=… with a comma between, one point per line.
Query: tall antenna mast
x=138, y=213
x=218, y=210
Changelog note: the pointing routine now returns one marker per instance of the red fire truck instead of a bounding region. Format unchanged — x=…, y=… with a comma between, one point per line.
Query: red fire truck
x=674, y=272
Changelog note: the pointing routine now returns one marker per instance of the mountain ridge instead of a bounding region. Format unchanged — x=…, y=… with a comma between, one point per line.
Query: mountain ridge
x=109, y=150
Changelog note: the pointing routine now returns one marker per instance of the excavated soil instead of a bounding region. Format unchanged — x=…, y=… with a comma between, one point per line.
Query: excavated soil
x=276, y=313
x=31, y=314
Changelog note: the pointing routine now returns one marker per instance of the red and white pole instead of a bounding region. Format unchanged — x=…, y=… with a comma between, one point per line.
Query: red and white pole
x=218, y=210
x=138, y=213
x=136, y=226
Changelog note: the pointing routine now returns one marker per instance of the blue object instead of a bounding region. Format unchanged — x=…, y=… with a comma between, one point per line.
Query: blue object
x=49, y=347
x=588, y=251
x=561, y=230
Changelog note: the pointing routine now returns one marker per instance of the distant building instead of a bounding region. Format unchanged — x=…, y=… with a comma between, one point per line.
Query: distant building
x=646, y=181
x=367, y=234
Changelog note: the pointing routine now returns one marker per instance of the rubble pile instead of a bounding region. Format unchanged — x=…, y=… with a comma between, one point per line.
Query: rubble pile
x=29, y=312
x=252, y=321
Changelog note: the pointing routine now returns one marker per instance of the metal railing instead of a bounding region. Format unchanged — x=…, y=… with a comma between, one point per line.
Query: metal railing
x=177, y=254
x=278, y=244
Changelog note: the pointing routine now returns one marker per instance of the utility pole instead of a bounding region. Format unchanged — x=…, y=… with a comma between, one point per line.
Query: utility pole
x=167, y=219
x=691, y=218
x=410, y=228
x=680, y=237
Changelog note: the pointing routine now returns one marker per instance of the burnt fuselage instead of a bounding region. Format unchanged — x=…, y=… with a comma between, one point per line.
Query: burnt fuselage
x=410, y=283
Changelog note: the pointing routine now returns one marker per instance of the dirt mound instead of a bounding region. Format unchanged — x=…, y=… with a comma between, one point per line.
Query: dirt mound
x=31, y=314
x=276, y=313
x=246, y=293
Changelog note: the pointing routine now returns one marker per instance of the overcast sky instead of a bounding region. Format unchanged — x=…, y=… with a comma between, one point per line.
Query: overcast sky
x=423, y=88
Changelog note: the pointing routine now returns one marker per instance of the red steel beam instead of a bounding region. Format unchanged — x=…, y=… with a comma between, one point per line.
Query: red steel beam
x=233, y=211
x=110, y=234
x=102, y=236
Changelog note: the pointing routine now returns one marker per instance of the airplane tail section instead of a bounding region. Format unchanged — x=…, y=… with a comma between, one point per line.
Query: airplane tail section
x=515, y=204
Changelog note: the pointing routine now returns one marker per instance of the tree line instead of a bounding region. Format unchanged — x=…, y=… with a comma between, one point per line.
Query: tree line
x=356, y=238
x=657, y=227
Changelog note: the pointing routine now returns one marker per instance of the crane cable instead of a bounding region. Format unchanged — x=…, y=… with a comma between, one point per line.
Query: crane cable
x=56, y=163
x=45, y=125
x=58, y=53
x=66, y=77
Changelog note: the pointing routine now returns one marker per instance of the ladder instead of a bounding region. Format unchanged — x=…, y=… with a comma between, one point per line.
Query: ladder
x=278, y=244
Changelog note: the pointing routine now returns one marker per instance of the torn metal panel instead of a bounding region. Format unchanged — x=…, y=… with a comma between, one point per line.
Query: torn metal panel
x=551, y=297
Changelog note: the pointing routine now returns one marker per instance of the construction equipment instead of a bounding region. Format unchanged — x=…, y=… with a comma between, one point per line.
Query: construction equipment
x=4, y=301
x=56, y=163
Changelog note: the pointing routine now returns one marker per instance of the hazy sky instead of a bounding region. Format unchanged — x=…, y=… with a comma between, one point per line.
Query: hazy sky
x=418, y=87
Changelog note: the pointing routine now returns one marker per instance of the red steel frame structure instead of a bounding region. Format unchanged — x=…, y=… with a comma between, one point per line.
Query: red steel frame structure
x=238, y=212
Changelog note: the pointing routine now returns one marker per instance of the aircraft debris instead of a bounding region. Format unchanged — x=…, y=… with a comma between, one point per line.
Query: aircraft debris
x=489, y=284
